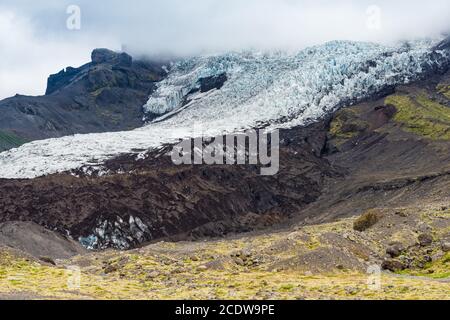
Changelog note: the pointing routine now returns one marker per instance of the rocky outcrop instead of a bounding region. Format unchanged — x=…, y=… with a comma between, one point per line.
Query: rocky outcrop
x=213, y=82
x=104, y=95
x=62, y=79
x=444, y=45
x=100, y=56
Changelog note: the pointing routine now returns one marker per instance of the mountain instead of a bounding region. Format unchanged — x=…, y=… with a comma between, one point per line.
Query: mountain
x=363, y=185
x=386, y=151
x=392, y=147
x=271, y=90
x=363, y=193
x=104, y=95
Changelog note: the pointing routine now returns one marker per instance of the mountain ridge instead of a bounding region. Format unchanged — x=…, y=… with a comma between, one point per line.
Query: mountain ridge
x=337, y=167
x=104, y=95
x=272, y=90
x=362, y=192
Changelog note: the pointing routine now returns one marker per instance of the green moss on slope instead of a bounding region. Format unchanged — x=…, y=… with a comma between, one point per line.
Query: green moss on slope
x=422, y=116
x=8, y=141
x=444, y=89
x=346, y=125
x=438, y=269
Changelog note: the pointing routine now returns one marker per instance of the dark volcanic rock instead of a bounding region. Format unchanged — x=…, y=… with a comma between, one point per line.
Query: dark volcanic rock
x=100, y=56
x=214, y=82
x=395, y=250
x=104, y=95
x=425, y=239
x=154, y=199
x=393, y=265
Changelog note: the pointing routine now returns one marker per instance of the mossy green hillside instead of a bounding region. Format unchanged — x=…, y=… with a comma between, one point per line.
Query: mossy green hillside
x=9, y=140
x=422, y=116
x=346, y=125
x=19, y=276
x=278, y=265
x=444, y=89
x=437, y=269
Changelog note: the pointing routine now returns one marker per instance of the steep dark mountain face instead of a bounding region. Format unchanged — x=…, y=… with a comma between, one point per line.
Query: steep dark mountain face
x=104, y=95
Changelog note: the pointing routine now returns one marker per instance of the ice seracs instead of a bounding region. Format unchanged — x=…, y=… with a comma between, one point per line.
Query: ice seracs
x=277, y=89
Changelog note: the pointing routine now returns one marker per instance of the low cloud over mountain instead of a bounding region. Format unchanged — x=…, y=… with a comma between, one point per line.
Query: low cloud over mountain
x=39, y=43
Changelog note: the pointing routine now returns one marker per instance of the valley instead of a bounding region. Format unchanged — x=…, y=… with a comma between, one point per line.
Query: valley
x=360, y=208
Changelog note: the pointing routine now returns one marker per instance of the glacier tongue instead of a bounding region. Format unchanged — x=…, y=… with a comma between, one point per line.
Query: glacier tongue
x=277, y=89
x=267, y=87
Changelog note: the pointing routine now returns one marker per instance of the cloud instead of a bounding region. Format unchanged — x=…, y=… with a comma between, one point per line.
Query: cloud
x=27, y=59
x=39, y=42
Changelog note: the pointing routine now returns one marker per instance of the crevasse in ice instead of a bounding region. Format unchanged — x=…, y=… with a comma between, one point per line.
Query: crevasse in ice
x=276, y=89
x=268, y=87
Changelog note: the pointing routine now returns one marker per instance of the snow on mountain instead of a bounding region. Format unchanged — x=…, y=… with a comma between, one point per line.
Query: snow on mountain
x=277, y=89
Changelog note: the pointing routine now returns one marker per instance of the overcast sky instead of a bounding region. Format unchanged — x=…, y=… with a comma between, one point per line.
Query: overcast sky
x=35, y=40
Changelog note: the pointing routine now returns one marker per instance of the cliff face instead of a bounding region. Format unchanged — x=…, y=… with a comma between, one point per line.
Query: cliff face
x=104, y=95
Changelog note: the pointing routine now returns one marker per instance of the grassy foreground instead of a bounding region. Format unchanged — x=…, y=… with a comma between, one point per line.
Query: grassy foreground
x=328, y=261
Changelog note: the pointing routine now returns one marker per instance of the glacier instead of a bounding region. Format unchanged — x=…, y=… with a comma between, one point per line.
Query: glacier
x=263, y=89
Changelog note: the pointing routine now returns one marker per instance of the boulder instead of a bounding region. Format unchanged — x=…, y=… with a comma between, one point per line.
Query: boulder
x=395, y=250
x=445, y=245
x=425, y=239
x=48, y=260
x=393, y=265
x=100, y=56
x=110, y=269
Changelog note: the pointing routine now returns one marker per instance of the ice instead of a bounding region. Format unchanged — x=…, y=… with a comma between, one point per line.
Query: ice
x=277, y=89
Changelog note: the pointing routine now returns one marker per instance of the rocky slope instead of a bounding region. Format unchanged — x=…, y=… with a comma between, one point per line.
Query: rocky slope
x=151, y=198
x=388, y=152
x=104, y=95
x=38, y=241
x=327, y=261
x=366, y=187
